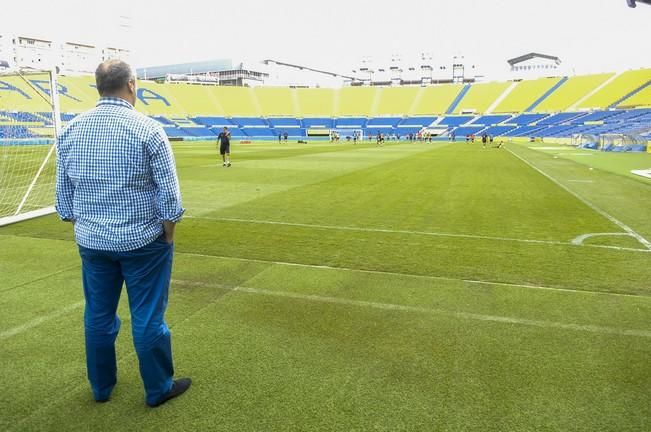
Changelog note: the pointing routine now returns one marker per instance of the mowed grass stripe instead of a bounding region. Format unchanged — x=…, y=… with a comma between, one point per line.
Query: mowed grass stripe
x=456, y=189
x=45, y=341
x=561, y=266
x=207, y=188
x=415, y=309
x=413, y=365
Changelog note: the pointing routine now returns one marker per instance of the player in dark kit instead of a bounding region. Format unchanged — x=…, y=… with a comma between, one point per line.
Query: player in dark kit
x=224, y=139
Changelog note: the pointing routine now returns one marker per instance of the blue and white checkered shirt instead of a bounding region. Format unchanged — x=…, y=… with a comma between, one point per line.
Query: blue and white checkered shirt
x=116, y=177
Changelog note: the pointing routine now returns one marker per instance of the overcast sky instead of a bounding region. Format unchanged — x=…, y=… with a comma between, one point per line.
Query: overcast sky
x=588, y=35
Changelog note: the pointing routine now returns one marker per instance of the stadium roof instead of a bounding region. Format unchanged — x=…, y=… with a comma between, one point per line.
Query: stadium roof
x=532, y=55
x=201, y=67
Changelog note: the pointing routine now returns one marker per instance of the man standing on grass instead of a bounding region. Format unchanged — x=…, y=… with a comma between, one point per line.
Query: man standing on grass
x=224, y=139
x=116, y=182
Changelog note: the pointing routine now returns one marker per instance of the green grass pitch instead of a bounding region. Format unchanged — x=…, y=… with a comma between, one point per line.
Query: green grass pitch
x=413, y=287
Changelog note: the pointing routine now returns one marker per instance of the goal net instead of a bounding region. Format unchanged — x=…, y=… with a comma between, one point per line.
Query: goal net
x=585, y=141
x=29, y=122
x=622, y=143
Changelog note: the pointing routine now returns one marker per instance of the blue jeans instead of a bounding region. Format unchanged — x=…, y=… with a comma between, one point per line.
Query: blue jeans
x=147, y=272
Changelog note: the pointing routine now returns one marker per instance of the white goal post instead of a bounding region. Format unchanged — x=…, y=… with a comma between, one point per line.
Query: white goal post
x=30, y=121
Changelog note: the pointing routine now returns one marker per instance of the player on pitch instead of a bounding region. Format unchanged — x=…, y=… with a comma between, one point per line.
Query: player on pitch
x=224, y=139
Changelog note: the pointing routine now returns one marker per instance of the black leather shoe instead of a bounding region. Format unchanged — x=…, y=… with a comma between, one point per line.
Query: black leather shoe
x=178, y=388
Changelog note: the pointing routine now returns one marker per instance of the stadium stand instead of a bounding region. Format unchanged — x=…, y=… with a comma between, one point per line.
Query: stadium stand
x=571, y=92
x=318, y=122
x=525, y=119
x=315, y=102
x=284, y=122
x=209, y=121
x=355, y=101
x=481, y=96
x=384, y=121
x=560, y=118
x=197, y=100
x=455, y=120
x=468, y=130
x=237, y=101
x=436, y=99
x=491, y=119
x=639, y=99
x=453, y=106
x=616, y=89
x=603, y=103
x=351, y=122
x=525, y=94
x=396, y=101
x=276, y=101
x=417, y=121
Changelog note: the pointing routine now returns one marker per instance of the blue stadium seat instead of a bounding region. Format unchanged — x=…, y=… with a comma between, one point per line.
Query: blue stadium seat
x=417, y=121
x=498, y=130
x=350, y=122
x=318, y=122
x=212, y=121
x=525, y=119
x=286, y=122
x=468, y=130
x=384, y=121
x=561, y=118
x=249, y=121
x=489, y=120
x=455, y=120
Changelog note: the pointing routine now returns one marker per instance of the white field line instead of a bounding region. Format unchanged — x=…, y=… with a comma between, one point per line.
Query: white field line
x=38, y=321
x=425, y=233
x=415, y=276
x=617, y=222
x=417, y=309
x=579, y=240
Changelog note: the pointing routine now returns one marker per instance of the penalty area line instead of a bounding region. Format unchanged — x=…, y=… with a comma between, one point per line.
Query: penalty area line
x=408, y=232
x=614, y=220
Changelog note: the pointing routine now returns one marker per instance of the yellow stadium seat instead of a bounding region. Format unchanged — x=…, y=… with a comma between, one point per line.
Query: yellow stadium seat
x=525, y=94
x=617, y=88
x=481, y=96
x=571, y=92
x=436, y=99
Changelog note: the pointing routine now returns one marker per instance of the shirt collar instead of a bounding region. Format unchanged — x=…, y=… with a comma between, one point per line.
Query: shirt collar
x=114, y=101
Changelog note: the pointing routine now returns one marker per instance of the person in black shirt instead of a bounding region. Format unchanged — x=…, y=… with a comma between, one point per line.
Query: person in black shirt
x=286, y=135
x=224, y=139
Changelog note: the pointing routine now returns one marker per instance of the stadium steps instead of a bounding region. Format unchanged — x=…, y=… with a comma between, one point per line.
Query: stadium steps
x=630, y=94
x=457, y=100
x=438, y=121
x=474, y=119
x=296, y=104
x=416, y=101
x=183, y=122
x=376, y=102
x=501, y=98
x=595, y=90
x=546, y=94
x=256, y=102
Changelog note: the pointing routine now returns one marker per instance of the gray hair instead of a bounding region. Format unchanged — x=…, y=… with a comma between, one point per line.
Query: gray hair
x=112, y=76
